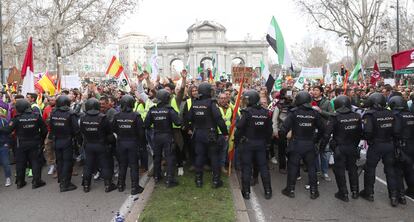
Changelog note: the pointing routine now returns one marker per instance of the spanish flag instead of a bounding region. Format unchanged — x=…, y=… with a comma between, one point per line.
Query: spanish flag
x=115, y=68
x=45, y=84
x=58, y=86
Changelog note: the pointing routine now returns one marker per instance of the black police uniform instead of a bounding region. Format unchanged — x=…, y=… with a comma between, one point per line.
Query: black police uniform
x=254, y=133
x=160, y=118
x=346, y=127
x=379, y=130
x=204, y=118
x=64, y=128
x=97, y=133
x=404, y=145
x=304, y=122
x=30, y=133
x=129, y=128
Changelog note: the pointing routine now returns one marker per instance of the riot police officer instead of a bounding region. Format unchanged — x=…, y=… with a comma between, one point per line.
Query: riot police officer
x=254, y=132
x=306, y=125
x=204, y=117
x=97, y=133
x=346, y=127
x=379, y=130
x=63, y=130
x=30, y=132
x=129, y=128
x=161, y=118
x=404, y=144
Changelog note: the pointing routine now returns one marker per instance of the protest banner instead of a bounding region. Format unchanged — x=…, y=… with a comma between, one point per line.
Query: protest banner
x=240, y=72
x=312, y=73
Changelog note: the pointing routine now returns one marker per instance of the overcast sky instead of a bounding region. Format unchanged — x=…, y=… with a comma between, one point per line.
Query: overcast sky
x=171, y=18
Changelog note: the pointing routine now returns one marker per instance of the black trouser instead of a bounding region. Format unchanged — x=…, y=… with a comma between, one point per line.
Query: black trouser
x=345, y=159
x=281, y=154
x=98, y=155
x=30, y=154
x=163, y=142
x=376, y=152
x=178, y=147
x=405, y=169
x=253, y=152
x=203, y=147
x=301, y=149
x=188, y=147
x=128, y=156
x=143, y=156
x=64, y=159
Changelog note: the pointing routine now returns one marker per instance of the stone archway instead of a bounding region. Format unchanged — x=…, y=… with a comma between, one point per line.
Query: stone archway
x=176, y=66
x=237, y=61
x=206, y=63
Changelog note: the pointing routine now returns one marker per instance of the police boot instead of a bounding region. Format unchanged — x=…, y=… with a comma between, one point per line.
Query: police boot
x=342, y=196
x=267, y=189
x=136, y=188
x=217, y=182
x=246, y=190
x=171, y=182
x=401, y=198
x=199, y=179
x=367, y=196
x=109, y=186
x=86, y=183
x=410, y=192
x=394, y=198
x=314, y=193
x=38, y=183
x=66, y=185
x=354, y=192
x=121, y=184
x=20, y=183
x=289, y=191
x=157, y=178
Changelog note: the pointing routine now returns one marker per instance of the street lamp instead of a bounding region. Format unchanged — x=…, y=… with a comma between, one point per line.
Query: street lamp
x=1, y=45
x=398, y=26
x=380, y=43
x=347, y=44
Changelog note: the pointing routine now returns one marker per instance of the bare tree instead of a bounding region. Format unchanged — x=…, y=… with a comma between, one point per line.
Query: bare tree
x=64, y=27
x=359, y=20
x=13, y=19
x=311, y=53
x=406, y=27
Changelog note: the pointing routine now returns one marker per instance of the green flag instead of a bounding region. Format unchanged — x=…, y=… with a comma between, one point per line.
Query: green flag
x=278, y=82
x=199, y=70
x=355, y=73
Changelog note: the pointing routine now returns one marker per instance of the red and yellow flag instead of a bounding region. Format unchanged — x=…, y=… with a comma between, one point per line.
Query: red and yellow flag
x=115, y=68
x=233, y=123
x=45, y=84
x=58, y=86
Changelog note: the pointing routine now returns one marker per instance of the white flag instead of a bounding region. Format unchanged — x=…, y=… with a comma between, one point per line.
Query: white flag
x=154, y=64
x=123, y=83
x=299, y=82
x=328, y=76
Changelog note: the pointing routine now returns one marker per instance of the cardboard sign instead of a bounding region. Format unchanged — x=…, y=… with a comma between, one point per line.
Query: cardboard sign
x=70, y=82
x=311, y=73
x=391, y=82
x=240, y=72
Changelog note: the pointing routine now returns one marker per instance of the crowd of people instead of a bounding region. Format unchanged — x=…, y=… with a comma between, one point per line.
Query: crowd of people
x=188, y=123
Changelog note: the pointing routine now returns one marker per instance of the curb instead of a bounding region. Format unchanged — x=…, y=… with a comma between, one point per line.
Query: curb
x=133, y=201
x=239, y=204
x=139, y=205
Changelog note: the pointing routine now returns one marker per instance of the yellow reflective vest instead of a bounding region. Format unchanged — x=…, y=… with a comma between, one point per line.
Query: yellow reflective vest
x=227, y=116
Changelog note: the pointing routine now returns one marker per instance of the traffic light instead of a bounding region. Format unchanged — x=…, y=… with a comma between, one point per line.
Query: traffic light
x=343, y=71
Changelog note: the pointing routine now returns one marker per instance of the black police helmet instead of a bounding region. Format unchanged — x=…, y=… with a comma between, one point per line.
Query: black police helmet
x=377, y=100
x=92, y=106
x=397, y=103
x=342, y=104
x=303, y=98
x=127, y=103
x=204, y=90
x=63, y=102
x=163, y=96
x=252, y=97
x=22, y=106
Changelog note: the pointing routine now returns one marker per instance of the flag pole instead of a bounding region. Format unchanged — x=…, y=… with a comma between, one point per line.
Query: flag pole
x=233, y=124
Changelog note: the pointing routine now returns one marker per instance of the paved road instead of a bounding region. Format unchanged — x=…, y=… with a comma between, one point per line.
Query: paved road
x=48, y=204
x=326, y=207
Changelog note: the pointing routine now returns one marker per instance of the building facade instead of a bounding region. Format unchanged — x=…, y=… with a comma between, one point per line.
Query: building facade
x=131, y=50
x=208, y=47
